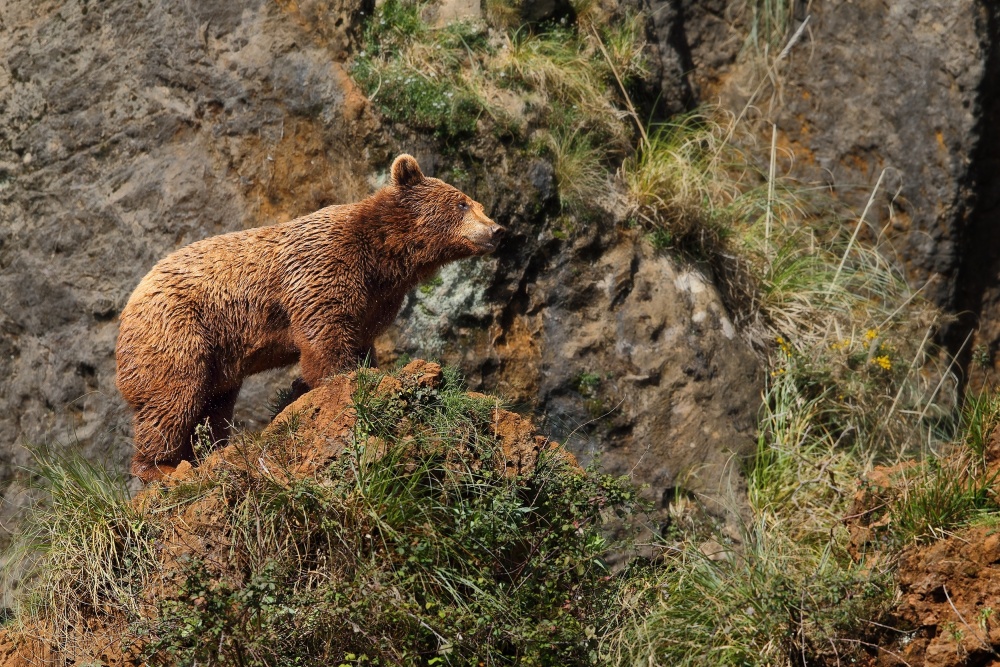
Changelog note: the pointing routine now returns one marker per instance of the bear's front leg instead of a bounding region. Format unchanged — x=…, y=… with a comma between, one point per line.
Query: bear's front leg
x=162, y=433
x=319, y=361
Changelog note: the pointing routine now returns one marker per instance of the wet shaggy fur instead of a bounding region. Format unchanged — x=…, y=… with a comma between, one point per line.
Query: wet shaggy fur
x=317, y=290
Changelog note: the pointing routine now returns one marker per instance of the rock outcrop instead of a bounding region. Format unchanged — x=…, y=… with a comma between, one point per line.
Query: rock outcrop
x=903, y=91
x=949, y=592
x=875, y=87
x=629, y=356
x=949, y=584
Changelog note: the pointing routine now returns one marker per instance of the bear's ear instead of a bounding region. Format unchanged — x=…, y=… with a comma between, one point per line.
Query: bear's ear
x=405, y=171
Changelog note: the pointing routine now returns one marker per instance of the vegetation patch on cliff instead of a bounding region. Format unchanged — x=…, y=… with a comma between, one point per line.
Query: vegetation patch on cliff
x=381, y=519
x=555, y=88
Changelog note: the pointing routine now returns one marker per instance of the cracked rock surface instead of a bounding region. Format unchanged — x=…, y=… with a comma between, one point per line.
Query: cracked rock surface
x=129, y=129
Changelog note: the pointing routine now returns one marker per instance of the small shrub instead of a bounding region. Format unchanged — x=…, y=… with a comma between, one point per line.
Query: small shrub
x=420, y=100
x=413, y=73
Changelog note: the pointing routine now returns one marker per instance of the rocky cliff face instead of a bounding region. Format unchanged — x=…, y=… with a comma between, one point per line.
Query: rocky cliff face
x=128, y=129
x=902, y=91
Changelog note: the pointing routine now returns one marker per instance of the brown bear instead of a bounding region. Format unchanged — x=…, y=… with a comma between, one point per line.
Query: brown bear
x=316, y=290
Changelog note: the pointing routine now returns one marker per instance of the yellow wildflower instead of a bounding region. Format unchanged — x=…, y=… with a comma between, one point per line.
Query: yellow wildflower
x=883, y=361
x=837, y=346
x=871, y=335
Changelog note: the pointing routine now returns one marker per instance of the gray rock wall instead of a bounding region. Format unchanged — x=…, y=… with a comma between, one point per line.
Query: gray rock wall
x=908, y=88
x=895, y=86
x=977, y=294
x=670, y=390
x=128, y=129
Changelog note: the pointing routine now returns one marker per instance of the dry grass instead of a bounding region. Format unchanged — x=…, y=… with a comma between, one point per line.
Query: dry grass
x=89, y=551
x=555, y=88
x=579, y=169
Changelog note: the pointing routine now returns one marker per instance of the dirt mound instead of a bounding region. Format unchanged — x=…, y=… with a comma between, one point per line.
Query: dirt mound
x=323, y=420
x=950, y=593
x=949, y=588
x=191, y=505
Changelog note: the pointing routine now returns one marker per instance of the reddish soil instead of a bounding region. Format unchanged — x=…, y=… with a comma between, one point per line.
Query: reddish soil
x=948, y=602
x=950, y=595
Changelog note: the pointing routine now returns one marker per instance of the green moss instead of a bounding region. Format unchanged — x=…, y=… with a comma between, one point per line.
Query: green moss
x=430, y=285
x=407, y=96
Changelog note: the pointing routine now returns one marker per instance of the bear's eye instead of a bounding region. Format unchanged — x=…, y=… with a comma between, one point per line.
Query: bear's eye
x=464, y=206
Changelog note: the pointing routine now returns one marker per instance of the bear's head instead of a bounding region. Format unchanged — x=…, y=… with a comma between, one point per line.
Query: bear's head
x=444, y=213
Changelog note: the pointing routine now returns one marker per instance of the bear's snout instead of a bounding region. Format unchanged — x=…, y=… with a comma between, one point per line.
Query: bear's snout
x=497, y=233
x=493, y=235
x=483, y=233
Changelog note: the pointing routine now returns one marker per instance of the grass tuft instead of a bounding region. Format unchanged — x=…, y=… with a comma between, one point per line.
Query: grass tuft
x=554, y=88
x=579, y=171
x=770, y=22
x=88, y=549
x=772, y=602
